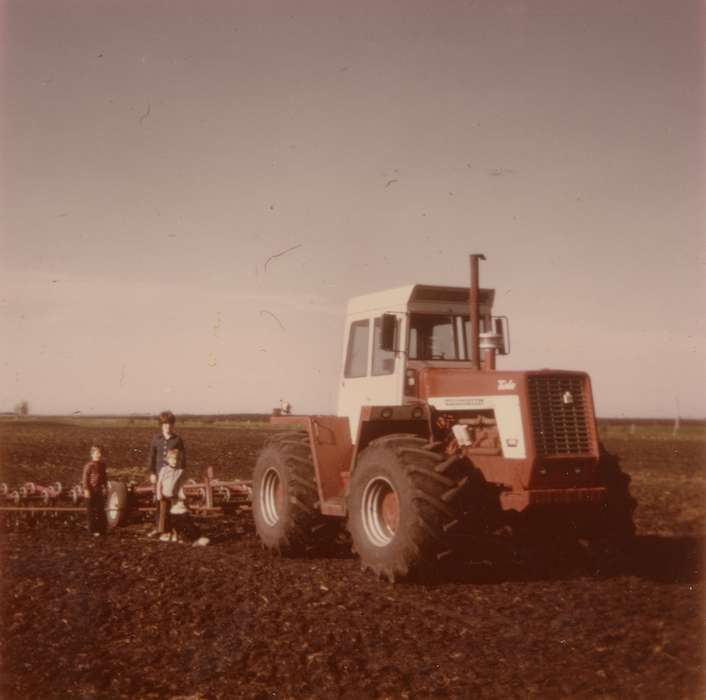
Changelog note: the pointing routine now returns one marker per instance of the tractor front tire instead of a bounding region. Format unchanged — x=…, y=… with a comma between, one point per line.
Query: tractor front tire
x=285, y=500
x=606, y=531
x=611, y=533
x=404, y=503
x=616, y=518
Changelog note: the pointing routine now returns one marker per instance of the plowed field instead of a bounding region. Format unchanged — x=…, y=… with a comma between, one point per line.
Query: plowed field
x=125, y=617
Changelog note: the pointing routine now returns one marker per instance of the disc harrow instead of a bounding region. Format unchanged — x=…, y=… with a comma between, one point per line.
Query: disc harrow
x=210, y=497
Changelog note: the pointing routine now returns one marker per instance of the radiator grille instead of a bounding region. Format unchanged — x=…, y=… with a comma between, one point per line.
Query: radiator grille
x=559, y=414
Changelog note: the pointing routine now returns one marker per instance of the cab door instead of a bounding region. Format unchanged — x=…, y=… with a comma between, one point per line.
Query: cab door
x=371, y=376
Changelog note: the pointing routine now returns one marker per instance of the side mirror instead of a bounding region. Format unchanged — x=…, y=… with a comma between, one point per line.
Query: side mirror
x=501, y=326
x=387, y=335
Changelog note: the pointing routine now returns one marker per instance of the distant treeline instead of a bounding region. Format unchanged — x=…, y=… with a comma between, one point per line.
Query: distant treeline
x=259, y=417
x=651, y=422
x=213, y=417
x=141, y=418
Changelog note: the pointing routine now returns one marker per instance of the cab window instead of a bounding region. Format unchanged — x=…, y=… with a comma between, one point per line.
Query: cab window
x=436, y=337
x=357, y=353
x=383, y=360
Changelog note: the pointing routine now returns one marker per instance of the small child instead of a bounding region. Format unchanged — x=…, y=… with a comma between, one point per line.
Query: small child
x=175, y=521
x=95, y=487
x=167, y=488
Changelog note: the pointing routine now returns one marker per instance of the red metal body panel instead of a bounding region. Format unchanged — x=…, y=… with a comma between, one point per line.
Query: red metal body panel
x=536, y=477
x=376, y=421
x=540, y=477
x=331, y=449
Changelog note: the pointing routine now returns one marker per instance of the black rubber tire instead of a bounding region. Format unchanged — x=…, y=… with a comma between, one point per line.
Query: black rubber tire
x=614, y=521
x=116, y=504
x=432, y=493
x=295, y=526
x=554, y=535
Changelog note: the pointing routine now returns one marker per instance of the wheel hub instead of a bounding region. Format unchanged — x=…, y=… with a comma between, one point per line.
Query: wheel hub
x=271, y=497
x=380, y=511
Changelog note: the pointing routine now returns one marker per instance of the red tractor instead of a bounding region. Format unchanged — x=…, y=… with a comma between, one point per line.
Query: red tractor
x=432, y=444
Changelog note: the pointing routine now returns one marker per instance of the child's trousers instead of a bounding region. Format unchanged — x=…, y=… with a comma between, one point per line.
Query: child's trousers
x=95, y=510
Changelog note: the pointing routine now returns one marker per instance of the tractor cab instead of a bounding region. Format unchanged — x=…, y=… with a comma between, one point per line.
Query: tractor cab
x=391, y=336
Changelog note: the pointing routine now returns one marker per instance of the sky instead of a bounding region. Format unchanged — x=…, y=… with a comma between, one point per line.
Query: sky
x=156, y=155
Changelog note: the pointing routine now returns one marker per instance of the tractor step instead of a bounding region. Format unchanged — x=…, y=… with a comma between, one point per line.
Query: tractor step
x=334, y=506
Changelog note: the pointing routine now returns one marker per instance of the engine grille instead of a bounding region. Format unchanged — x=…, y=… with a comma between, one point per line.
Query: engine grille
x=559, y=414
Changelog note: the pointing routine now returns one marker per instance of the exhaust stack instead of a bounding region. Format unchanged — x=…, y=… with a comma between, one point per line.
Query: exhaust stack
x=474, y=301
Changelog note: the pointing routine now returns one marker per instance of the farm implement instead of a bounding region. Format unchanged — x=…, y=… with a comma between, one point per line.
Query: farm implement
x=211, y=497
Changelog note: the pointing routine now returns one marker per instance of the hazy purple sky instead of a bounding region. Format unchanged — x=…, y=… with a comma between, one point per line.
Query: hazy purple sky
x=155, y=154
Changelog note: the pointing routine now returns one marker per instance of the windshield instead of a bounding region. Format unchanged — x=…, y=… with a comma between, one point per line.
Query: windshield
x=438, y=337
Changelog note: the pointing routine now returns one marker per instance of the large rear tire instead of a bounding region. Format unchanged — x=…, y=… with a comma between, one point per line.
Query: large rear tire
x=405, y=502
x=285, y=500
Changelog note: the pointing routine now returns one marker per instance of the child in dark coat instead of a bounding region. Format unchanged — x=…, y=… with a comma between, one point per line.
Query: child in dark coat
x=95, y=488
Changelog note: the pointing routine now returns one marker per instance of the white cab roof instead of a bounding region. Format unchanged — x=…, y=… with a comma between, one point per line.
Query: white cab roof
x=399, y=299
